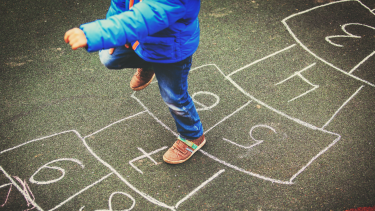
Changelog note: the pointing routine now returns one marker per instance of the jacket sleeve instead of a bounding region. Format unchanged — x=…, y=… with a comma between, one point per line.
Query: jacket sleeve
x=143, y=19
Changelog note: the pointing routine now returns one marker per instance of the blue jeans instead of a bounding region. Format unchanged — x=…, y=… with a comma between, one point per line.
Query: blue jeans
x=173, y=85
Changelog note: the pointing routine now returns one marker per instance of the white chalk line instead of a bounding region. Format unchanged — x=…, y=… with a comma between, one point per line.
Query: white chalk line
x=147, y=197
x=360, y=63
x=56, y=168
x=38, y=139
x=265, y=105
x=26, y=195
x=271, y=108
x=342, y=106
x=305, y=93
x=313, y=54
x=318, y=155
x=199, y=187
x=68, y=131
x=81, y=191
x=257, y=142
x=350, y=35
x=288, y=117
x=145, y=154
x=295, y=120
x=153, y=116
x=242, y=146
x=122, y=193
x=227, y=117
x=1, y=186
x=371, y=10
x=244, y=171
x=121, y=120
x=144, y=195
x=290, y=182
x=299, y=74
x=206, y=65
x=259, y=60
x=204, y=107
x=153, y=152
x=328, y=39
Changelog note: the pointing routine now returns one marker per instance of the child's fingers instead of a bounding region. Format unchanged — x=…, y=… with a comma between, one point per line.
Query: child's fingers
x=76, y=38
x=74, y=33
x=78, y=42
x=73, y=41
x=67, y=35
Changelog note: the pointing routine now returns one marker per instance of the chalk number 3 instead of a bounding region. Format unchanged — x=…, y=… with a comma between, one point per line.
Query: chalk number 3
x=348, y=34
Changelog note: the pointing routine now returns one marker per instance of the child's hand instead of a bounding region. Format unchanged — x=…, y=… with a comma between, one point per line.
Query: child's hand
x=76, y=38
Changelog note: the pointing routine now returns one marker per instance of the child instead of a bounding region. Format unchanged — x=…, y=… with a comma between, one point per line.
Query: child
x=159, y=38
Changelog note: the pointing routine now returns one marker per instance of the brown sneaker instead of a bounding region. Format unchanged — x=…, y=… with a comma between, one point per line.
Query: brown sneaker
x=183, y=149
x=141, y=79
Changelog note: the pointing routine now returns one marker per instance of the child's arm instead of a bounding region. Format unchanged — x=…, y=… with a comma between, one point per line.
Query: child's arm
x=76, y=38
x=144, y=19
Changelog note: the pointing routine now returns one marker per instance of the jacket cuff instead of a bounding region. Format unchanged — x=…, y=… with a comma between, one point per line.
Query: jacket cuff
x=94, y=43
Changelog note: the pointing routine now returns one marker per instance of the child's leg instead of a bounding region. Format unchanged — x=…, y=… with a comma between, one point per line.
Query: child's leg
x=173, y=85
x=121, y=58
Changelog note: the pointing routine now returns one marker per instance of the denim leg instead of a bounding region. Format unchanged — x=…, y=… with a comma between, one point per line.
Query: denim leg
x=173, y=85
x=121, y=58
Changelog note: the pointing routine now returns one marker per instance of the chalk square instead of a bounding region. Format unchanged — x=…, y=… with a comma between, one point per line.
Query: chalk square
x=259, y=142
x=344, y=41
x=298, y=85
x=162, y=182
x=214, y=97
x=55, y=167
x=109, y=194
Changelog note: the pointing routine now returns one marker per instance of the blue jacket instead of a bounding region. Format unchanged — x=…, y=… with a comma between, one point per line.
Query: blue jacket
x=162, y=31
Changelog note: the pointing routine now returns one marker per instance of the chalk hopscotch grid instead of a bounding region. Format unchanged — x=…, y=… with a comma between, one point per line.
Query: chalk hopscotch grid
x=149, y=198
x=227, y=77
x=113, y=171
x=284, y=115
x=284, y=21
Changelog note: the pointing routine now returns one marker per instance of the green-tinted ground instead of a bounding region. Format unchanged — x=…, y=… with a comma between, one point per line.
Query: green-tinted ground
x=289, y=117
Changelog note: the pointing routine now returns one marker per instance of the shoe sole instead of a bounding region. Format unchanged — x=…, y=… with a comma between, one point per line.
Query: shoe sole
x=144, y=86
x=181, y=161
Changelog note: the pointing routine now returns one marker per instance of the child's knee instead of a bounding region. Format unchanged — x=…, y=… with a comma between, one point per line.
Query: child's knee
x=106, y=59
